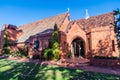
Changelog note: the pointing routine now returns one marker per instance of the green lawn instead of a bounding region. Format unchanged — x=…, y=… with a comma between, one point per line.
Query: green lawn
x=13, y=70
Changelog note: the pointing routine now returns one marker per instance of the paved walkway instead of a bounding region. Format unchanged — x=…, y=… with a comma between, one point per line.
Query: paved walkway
x=76, y=63
x=83, y=64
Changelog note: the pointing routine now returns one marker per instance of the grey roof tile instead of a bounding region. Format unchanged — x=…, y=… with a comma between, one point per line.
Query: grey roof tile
x=40, y=26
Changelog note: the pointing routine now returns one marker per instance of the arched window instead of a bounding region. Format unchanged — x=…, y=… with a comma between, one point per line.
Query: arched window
x=36, y=44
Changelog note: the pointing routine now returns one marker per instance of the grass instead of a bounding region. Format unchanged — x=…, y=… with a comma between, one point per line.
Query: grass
x=13, y=70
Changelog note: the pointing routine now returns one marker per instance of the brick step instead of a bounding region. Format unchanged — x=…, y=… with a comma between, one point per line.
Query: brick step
x=75, y=61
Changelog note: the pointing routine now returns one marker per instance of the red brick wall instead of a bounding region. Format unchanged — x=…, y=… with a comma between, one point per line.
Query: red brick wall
x=0, y=44
x=76, y=32
x=111, y=63
x=43, y=43
x=99, y=35
x=64, y=24
x=13, y=34
x=101, y=41
x=67, y=37
x=1, y=41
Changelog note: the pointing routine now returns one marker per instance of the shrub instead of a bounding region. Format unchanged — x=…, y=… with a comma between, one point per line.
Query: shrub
x=22, y=52
x=69, y=54
x=55, y=27
x=6, y=44
x=17, y=54
x=50, y=43
x=47, y=54
x=6, y=50
x=56, y=54
x=36, y=56
x=54, y=39
x=52, y=52
x=55, y=36
x=55, y=45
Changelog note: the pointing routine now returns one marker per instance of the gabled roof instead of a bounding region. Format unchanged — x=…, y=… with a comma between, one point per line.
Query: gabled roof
x=40, y=26
x=69, y=26
x=6, y=26
x=97, y=21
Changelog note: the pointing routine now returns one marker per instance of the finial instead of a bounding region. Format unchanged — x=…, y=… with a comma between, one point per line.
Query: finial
x=68, y=9
x=87, y=15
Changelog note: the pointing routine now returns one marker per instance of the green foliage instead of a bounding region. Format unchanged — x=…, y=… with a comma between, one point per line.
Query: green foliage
x=56, y=54
x=22, y=52
x=14, y=70
x=5, y=48
x=50, y=43
x=10, y=43
x=117, y=11
x=52, y=52
x=17, y=54
x=54, y=39
x=117, y=25
x=55, y=45
x=55, y=36
x=5, y=40
x=6, y=44
x=56, y=27
x=47, y=54
x=69, y=54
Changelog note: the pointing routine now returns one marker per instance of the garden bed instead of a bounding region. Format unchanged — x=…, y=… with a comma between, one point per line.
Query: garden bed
x=112, y=63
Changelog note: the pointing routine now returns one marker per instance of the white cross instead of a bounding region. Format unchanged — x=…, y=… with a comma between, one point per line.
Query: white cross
x=68, y=9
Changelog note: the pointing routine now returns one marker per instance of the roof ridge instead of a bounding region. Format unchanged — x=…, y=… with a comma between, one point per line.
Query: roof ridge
x=40, y=26
x=42, y=19
x=96, y=16
x=97, y=21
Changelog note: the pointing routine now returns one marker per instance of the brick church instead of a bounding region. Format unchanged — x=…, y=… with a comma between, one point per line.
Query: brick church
x=83, y=37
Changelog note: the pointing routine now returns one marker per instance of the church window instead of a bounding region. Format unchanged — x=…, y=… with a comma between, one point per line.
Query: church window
x=113, y=45
x=69, y=18
x=89, y=43
x=36, y=44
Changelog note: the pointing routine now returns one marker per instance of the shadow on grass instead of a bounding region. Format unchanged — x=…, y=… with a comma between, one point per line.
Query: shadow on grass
x=86, y=75
x=18, y=71
x=12, y=70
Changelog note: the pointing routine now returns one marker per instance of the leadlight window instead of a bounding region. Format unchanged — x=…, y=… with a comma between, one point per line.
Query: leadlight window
x=89, y=43
x=69, y=18
x=113, y=45
x=36, y=44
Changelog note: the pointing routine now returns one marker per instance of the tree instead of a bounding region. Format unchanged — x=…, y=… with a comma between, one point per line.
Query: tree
x=6, y=44
x=117, y=24
x=54, y=43
x=52, y=52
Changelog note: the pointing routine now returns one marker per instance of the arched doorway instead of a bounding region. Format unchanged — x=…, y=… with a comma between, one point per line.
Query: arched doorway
x=78, y=47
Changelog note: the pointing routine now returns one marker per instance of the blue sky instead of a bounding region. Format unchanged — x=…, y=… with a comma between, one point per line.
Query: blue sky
x=19, y=12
